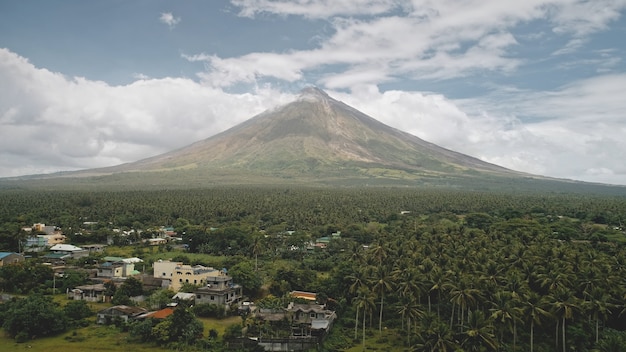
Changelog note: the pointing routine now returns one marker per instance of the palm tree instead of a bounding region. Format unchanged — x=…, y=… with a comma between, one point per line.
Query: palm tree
x=599, y=305
x=257, y=247
x=516, y=285
x=587, y=280
x=478, y=335
x=356, y=320
x=356, y=253
x=463, y=296
x=533, y=308
x=383, y=282
x=438, y=338
x=491, y=276
x=366, y=302
x=408, y=308
x=379, y=251
x=554, y=278
x=438, y=281
x=358, y=280
x=407, y=282
x=505, y=313
x=564, y=304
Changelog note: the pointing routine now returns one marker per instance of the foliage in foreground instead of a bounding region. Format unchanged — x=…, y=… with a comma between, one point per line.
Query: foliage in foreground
x=38, y=316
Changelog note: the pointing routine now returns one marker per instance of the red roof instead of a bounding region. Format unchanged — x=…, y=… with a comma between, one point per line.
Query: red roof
x=163, y=313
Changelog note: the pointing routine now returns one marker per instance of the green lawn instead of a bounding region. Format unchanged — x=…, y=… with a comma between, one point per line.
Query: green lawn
x=99, y=338
x=153, y=254
x=219, y=324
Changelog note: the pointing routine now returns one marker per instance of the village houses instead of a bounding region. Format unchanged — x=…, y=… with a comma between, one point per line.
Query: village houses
x=42, y=236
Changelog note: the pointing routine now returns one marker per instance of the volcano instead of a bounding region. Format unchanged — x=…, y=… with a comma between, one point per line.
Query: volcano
x=314, y=139
x=316, y=135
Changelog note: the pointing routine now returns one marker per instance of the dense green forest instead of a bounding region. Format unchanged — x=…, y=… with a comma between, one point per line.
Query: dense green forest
x=441, y=270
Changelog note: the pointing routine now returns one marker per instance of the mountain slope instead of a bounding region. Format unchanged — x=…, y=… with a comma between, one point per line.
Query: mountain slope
x=314, y=135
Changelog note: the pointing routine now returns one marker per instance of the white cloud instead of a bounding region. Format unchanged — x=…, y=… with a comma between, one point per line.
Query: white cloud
x=50, y=122
x=316, y=9
x=568, y=132
x=169, y=19
x=420, y=39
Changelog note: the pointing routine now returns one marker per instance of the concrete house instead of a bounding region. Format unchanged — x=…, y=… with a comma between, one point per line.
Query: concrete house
x=300, y=326
x=117, y=267
x=8, y=258
x=89, y=293
x=219, y=290
x=175, y=274
x=35, y=243
x=310, y=319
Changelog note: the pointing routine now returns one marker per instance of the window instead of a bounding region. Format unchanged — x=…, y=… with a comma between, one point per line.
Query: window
x=212, y=298
x=312, y=315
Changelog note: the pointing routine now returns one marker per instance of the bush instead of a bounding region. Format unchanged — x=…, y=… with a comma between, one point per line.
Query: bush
x=208, y=311
x=77, y=310
x=21, y=337
x=34, y=315
x=232, y=331
x=142, y=330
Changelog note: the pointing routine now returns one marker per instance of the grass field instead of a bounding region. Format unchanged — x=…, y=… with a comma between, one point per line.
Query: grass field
x=91, y=338
x=374, y=341
x=219, y=324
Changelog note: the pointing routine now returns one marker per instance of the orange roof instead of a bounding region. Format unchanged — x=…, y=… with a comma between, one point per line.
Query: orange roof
x=163, y=313
x=302, y=294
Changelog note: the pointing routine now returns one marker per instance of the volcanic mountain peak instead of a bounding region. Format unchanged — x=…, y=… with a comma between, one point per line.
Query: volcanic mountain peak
x=313, y=94
x=316, y=135
x=313, y=138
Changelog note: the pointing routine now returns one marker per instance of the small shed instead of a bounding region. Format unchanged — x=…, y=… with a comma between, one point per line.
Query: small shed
x=7, y=258
x=125, y=313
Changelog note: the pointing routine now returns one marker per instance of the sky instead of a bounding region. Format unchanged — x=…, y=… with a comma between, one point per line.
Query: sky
x=537, y=86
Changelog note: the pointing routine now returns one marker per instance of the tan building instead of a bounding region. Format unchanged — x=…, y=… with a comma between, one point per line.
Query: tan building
x=178, y=274
x=55, y=238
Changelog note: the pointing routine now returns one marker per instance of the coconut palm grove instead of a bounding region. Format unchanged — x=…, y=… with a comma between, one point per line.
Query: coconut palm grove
x=406, y=269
